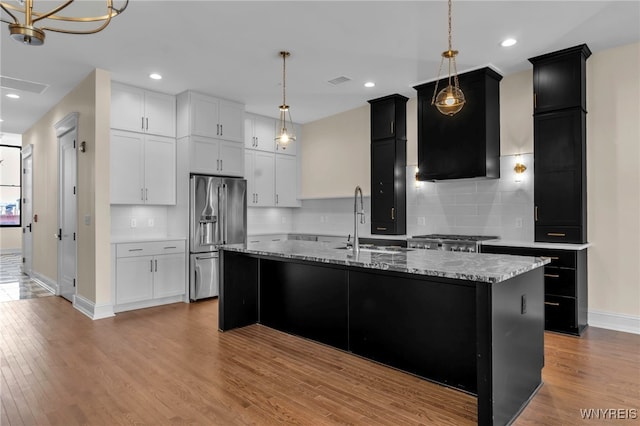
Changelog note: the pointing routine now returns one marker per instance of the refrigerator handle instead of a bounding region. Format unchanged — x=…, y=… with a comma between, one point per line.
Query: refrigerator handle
x=226, y=210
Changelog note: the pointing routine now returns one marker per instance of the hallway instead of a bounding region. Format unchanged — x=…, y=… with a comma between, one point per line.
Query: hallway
x=14, y=285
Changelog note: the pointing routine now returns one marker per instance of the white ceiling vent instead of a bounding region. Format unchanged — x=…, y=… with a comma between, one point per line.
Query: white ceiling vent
x=22, y=85
x=339, y=80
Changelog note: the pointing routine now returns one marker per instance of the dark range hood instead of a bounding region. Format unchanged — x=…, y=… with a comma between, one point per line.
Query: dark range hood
x=466, y=145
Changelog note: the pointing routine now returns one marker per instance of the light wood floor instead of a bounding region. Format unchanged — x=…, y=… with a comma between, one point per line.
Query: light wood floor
x=170, y=365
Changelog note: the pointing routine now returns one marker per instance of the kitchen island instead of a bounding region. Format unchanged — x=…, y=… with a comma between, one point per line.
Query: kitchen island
x=469, y=321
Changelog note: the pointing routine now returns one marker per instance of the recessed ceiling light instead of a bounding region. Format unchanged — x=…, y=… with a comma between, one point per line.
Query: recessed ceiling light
x=155, y=76
x=13, y=96
x=369, y=84
x=508, y=42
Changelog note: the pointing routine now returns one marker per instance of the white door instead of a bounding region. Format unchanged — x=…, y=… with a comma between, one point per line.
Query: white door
x=265, y=179
x=231, y=158
x=127, y=108
x=231, y=119
x=27, y=209
x=265, y=133
x=169, y=272
x=160, y=114
x=67, y=220
x=127, y=163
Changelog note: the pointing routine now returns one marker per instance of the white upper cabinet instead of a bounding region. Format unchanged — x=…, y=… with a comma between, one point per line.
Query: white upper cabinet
x=216, y=157
x=207, y=116
x=143, y=169
x=259, y=132
x=260, y=175
x=292, y=147
x=137, y=110
x=286, y=181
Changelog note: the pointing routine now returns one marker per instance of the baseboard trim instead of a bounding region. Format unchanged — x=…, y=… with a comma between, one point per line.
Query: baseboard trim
x=92, y=310
x=613, y=321
x=46, y=282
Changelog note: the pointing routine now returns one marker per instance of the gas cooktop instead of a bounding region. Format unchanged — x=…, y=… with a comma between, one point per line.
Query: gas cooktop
x=453, y=237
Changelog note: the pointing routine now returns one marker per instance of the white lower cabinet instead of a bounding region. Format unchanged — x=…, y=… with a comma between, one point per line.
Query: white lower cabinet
x=149, y=274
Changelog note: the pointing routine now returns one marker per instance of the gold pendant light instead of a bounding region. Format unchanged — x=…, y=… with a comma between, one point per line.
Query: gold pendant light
x=449, y=100
x=285, y=125
x=27, y=33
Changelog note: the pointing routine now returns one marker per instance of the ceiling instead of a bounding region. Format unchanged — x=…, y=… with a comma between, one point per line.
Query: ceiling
x=230, y=49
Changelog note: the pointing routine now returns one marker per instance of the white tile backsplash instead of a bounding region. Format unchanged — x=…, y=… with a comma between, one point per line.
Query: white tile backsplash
x=122, y=217
x=501, y=207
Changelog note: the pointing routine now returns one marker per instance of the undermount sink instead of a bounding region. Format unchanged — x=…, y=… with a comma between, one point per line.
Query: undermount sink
x=378, y=249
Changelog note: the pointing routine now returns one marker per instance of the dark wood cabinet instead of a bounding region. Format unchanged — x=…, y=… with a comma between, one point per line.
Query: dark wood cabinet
x=560, y=193
x=466, y=145
x=565, y=286
x=388, y=165
x=559, y=79
x=389, y=117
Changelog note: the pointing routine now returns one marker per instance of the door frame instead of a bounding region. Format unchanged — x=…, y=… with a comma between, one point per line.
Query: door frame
x=27, y=152
x=68, y=124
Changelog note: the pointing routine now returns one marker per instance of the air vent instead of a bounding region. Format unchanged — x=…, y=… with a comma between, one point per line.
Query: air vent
x=339, y=80
x=22, y=85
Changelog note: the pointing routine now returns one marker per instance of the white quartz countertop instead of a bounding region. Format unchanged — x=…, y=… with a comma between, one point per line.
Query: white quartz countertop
x=533, y=244
x=490, y=268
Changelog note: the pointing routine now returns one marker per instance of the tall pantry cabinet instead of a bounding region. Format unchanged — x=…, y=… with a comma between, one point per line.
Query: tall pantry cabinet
x=559, y=127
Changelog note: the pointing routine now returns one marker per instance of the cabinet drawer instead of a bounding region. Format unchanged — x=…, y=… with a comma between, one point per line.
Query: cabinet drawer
x=150, y=248
x=560, y=313
x=559, y=281
x=559, y=234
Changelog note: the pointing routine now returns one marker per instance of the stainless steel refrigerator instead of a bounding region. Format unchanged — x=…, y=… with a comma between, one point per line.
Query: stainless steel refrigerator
x=218, y=215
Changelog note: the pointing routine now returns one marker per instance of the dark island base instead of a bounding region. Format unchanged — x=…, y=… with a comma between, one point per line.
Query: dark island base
x=485, y=339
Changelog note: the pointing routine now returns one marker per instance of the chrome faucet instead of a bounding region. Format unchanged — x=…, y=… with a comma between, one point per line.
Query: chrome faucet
x=356, y=213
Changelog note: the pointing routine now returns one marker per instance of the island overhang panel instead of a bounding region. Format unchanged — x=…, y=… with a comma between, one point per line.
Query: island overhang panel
x=480, y=332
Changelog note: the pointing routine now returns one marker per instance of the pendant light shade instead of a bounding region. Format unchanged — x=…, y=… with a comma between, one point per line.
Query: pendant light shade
x=285, y=133
x=73, y=22
x=449, y=100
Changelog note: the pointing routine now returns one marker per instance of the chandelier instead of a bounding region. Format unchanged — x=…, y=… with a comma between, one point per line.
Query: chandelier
x=285, y=125
x=449, y=100
x=27, y=32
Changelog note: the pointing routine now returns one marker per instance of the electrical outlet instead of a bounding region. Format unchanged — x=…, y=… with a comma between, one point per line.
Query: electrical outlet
x=134, y=223
x=422, y=221
x=150, y=222
x=518, y=222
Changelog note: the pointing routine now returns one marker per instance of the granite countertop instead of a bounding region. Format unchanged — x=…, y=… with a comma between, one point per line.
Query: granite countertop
x=490, y=268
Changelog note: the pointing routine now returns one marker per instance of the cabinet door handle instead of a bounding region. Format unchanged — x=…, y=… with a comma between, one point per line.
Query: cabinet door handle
x=142, y=123
x=156, y=262
x=217, y=130
x=147, y=120
x=535, y=100
x=552, y=275
x=257, y=195
x=142, y=194
x=151, y=266
x=221, y=165
x=552, y=303
x=392, y=126
x=276, y=198
x=535, y=214
x=381, y=229
x=221, y=130
x=139, y=249
x=171, y=247
x=556, y=234
x=393, y=213
x=146, y=194
x=217, y=164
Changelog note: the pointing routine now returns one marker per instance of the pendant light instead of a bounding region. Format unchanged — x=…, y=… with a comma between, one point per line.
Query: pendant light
x=26, y=32
x=285, y=125
x=449, y=100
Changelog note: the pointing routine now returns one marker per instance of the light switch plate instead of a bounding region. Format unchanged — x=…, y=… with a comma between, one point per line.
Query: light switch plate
x=150, y=222
x=87, y=219
x=133, y=223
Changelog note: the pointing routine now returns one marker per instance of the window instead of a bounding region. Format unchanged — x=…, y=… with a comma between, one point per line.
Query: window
x=10, y=188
